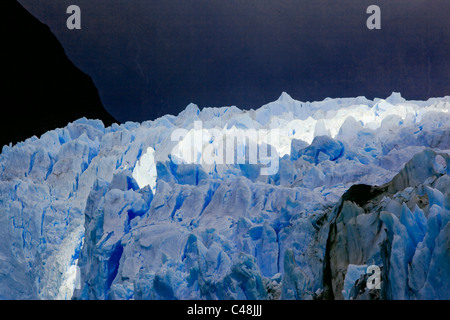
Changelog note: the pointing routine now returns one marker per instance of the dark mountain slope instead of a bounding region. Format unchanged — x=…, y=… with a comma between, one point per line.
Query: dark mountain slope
x=41, y=89
x=402, y=227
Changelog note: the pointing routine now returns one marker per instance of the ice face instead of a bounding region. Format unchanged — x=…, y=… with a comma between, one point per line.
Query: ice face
x=354, y=272
x=145, y=170
x=114, y=214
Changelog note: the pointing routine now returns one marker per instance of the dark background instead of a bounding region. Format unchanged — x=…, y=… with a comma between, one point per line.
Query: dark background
x=152, y=57
x=40, y=88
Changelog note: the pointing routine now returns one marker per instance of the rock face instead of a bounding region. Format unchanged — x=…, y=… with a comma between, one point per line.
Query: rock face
x=95, y=212
x=402, y=227
x=41, y=89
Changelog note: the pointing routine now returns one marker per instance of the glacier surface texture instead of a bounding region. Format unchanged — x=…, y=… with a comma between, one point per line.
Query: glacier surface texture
x=129, y=212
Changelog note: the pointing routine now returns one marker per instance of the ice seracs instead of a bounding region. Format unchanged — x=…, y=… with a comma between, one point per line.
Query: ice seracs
x=137, y=214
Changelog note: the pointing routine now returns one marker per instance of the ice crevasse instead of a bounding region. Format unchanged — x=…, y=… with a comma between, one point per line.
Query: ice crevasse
x=89, y=212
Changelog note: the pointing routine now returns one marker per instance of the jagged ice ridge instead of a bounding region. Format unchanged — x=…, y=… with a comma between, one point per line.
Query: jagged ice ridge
x=90, y=212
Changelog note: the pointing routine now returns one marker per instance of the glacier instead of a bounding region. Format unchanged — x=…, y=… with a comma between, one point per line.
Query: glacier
x=95, y=212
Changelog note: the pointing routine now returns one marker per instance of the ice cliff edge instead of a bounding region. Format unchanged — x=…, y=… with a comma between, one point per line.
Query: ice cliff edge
x=95, y=212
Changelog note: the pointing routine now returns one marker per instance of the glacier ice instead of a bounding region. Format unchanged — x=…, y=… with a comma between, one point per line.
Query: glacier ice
x=404, y=218
x=144, y=173
x=354, y=272
x=89, y=212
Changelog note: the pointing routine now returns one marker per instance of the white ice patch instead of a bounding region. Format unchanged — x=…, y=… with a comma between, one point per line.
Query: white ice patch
x=62, y=266
x=278, y=119
x=71, y=282
x=145, y=170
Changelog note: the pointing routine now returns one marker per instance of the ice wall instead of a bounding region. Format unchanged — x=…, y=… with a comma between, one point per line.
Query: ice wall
x=140, y=225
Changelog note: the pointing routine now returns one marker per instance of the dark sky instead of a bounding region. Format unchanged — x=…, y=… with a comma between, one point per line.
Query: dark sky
x=153, y=57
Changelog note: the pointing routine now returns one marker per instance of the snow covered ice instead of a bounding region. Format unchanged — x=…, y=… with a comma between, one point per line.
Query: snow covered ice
x=89, y=212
